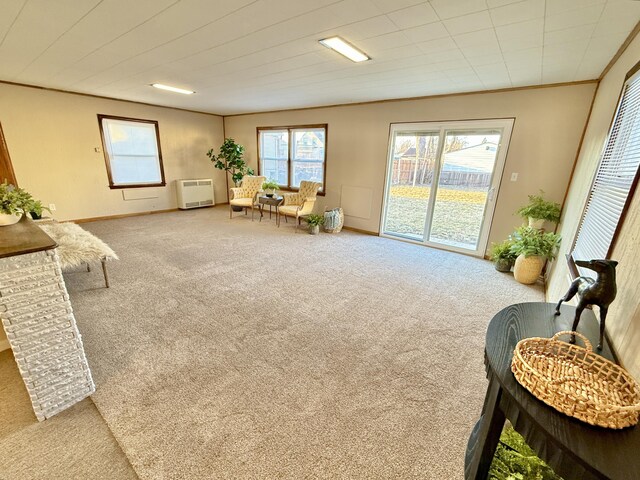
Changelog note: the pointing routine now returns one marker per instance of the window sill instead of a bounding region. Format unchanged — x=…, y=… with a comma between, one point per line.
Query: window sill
x=139, y=185
x=294, y=190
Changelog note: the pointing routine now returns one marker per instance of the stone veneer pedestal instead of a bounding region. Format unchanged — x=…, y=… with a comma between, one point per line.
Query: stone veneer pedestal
x=38, y=319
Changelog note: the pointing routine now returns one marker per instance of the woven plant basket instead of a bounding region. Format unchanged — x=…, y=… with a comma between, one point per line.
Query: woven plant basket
x=333, y=220
x=576, y=381
x=527, y=269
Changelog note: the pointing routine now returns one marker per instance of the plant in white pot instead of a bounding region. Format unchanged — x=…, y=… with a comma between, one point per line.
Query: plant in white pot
x=314, y=221
x=270, y=187
x=533, y=248
x=539, y=210
x=14, y=202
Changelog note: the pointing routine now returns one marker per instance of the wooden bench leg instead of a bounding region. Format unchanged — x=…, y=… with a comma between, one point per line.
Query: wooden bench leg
x=104, y=271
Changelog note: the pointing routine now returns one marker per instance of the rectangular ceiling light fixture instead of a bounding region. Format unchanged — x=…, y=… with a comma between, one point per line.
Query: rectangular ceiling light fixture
x=172, y=89
x=344, y=48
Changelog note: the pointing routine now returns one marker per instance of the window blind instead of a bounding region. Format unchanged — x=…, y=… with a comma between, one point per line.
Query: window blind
x=614, y=180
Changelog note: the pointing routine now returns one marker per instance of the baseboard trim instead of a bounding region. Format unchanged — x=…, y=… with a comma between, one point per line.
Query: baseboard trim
x=4, y=345
x=359, y=230
x=121, y=215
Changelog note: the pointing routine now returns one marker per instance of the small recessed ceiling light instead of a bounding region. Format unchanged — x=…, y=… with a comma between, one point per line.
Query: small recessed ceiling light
x=172, y=89
x=344, y=48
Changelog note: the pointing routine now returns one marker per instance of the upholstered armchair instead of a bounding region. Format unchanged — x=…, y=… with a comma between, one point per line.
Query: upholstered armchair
x=300, y=203
x=246, y=196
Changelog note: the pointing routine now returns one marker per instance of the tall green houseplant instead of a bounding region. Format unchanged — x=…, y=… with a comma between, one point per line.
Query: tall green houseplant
x=229, y=159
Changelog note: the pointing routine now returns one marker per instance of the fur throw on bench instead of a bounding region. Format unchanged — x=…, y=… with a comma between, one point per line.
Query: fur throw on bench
x=76, y=246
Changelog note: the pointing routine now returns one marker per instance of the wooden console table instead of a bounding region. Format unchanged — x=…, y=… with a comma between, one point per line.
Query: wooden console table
x=575, y=450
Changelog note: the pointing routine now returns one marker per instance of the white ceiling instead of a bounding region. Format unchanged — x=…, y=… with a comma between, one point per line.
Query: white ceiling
x=254, y=55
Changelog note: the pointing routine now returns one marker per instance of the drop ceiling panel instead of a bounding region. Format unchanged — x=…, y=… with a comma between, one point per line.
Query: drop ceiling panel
x=249, y=55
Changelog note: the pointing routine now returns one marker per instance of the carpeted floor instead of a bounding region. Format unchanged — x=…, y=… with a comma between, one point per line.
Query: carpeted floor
x=232, y=349
x=75, y=444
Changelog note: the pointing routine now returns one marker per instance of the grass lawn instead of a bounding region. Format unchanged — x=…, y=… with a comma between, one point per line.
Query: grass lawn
x=456, y=219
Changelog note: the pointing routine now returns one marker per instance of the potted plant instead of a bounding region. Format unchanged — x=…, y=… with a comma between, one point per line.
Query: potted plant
x=230, y=160
x=539, y=210
x=35, y=209
x=14, y=202
x=502, y=256
x=314, y=220
x=533, y=248
x=270, y=185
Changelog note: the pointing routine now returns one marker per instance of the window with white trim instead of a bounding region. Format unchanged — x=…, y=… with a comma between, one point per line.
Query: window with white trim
x=614, y=182
x=289, y=155
x=132, y=152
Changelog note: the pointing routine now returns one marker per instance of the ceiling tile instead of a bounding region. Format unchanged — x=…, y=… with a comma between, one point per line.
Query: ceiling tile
x=481, y=37
x=10, y=11
x=559, y=6
x=573, y=18
x=414, y=16
x=500, y=3
x=518, y=12
x=438, y=45
x=449, y=9
x=427, y=32
x=265, y=54
x=519, y=36
x=468, y=23
x=36, y=29
x=581, y=32
x=371, y=27
x=387, y=6
x=480, y=60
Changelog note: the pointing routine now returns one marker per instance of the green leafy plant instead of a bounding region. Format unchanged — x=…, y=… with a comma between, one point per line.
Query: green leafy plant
x=36, y=208
x=532, y=242
x=515, y=460
x=502, y=251
x=315, y=219
x=270, y=185
x=14, y=200
x=230, y=159
x=540, y=209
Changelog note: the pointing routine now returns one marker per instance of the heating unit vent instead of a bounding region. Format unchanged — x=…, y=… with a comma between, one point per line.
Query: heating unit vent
x=195, y=193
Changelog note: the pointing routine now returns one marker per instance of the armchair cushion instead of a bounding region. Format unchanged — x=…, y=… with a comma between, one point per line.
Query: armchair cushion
x=242, y=202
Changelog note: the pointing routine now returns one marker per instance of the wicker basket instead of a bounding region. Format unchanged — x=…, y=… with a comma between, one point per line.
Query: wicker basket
x=333, y=220
x=576, y=381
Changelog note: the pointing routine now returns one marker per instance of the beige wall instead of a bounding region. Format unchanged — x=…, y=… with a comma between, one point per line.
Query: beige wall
x=623, y=322
x=51, y=138
x=546, y=134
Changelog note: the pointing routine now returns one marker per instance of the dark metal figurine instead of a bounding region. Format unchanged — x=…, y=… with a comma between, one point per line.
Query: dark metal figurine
x=600, y=292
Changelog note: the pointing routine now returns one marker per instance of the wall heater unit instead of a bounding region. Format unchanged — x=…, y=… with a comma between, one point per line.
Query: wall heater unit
x=195, y=193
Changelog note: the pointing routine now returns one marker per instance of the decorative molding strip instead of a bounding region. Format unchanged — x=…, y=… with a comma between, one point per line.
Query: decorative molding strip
x=359, y=230
x=102, y=97
x=621, y=50
x=121, y=215
x=425, y=97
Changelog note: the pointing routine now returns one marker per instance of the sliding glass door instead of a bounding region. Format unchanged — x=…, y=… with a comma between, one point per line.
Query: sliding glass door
x=442, y=181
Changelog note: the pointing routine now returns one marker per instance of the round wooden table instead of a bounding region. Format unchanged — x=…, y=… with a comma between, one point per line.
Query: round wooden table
x=575, y=450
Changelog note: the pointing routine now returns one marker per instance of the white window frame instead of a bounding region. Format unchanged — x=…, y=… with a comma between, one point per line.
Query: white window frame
x=506, y=125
